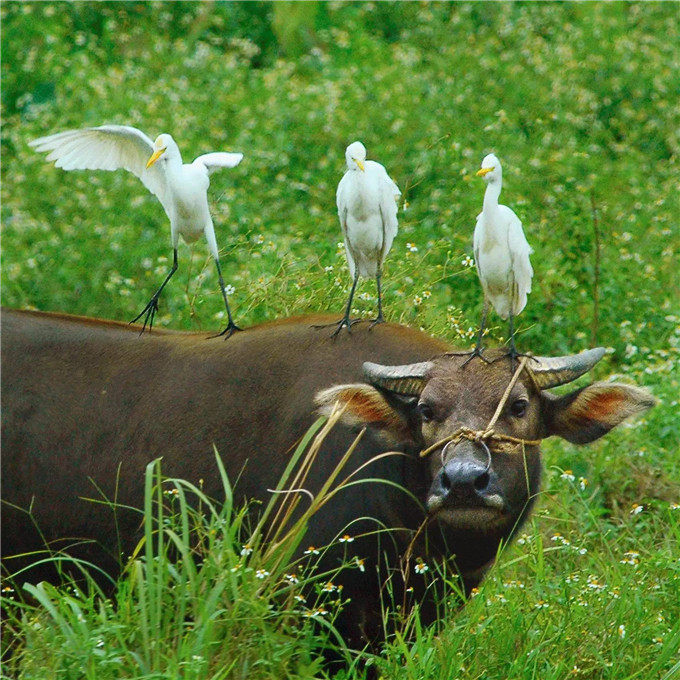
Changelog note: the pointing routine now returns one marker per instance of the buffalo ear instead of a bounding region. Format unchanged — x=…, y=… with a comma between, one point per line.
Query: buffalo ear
x=366, y=406
x=586, y=414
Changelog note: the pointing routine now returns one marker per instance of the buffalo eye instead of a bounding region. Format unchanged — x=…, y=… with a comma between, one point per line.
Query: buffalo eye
x=425, y=411
x=518, y=408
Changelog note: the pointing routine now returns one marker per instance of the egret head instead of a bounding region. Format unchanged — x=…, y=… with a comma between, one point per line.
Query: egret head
x=355, y=156
x=491, y=169
x=163, y=147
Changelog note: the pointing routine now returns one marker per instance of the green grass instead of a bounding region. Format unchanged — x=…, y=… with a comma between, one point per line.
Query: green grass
x=207, y=593
x=578, y=100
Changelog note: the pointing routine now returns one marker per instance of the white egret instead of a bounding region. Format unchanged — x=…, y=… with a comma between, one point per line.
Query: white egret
x=367, y=200
x=181, y=188
x=501, y=254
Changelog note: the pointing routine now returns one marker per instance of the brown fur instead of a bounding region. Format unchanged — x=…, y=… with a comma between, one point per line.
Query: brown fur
x=88, y=403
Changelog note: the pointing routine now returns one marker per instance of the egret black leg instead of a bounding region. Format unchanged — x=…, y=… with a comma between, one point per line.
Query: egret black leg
x=345, y=322
x=380, y=318
x=231, y=326
x=477, y=351
x=513, y=351
x=149, y=312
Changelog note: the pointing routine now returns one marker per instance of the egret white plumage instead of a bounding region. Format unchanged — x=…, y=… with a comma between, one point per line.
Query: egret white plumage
x=182, y=188
x=367, y=200
x=501, y=254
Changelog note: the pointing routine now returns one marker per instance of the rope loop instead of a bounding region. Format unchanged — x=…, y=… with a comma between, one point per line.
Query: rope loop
x=487, y=437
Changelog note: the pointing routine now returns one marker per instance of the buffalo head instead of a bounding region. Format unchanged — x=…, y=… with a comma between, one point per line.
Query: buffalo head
x=481, y=483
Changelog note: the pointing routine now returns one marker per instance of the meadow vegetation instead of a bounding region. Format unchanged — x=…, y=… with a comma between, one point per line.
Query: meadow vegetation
x=580, y=103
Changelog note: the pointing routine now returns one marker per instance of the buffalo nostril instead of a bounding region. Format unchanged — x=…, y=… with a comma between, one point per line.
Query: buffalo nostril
x=464, y=481
x=445, y=482
x=482, y=481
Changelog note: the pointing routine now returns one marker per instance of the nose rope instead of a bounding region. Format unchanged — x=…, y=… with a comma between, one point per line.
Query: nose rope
x=489, y=439
x=481, y=442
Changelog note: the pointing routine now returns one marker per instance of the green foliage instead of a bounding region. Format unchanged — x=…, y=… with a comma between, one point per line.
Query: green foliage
x=579, y=100
x=575, y=100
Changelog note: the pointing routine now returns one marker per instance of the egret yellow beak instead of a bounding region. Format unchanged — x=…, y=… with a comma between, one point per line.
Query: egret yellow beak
x=484, y=171
x=360, y=164
x=155, y=156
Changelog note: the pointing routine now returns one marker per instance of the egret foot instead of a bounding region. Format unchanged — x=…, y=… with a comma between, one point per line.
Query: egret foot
x=379, y=319
x=345, y=322
x=149, y=312
x=476, y=352
x=228, y=331
x=514, y=355
x=152, y=305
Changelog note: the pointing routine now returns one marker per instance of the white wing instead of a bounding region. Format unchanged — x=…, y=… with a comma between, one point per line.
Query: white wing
x=388, y=196
x=108, y=147
x=519, y=254
x=476, y=238
x=342, y=201
x=341, y=194
x=219, y=159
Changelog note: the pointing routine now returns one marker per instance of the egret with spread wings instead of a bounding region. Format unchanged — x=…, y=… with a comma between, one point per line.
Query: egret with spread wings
x=367, y=200
x=182, y=188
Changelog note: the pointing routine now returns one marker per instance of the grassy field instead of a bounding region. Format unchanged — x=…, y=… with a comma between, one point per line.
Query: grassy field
x=580, y=103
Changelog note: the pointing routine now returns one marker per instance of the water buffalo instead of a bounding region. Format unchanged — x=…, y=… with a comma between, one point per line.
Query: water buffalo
x=90, y=402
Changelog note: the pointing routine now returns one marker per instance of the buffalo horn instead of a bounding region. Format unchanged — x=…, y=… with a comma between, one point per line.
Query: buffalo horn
x=553, y=371
x=408, y=380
